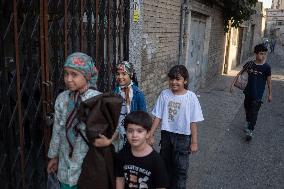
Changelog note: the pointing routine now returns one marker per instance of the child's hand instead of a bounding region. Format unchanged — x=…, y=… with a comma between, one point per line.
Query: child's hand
x=269, y=98
x=52, y=165
x=193, y=148
x=103, y=141
x=151, y=140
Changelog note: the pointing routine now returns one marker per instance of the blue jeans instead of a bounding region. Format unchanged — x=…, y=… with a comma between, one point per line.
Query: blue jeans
x=175, y=152
x=251, y=107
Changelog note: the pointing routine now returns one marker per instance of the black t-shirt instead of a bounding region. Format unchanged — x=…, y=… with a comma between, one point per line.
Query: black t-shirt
x=141, y=172
x=258, y=74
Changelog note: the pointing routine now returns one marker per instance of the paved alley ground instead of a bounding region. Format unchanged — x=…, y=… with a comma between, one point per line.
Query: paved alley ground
x=225, y=159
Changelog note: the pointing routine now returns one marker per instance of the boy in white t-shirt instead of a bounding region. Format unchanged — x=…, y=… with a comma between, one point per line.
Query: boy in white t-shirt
x=178, y=110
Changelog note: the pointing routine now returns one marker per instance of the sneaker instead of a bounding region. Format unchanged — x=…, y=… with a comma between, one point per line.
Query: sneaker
x=246, y=127
x=249, y=135
x=246, y=130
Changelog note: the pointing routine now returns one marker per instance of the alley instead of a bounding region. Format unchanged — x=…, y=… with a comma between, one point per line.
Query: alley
x=225, y=159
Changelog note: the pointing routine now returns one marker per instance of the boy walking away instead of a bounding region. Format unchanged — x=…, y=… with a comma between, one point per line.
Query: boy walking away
x=178, y=110
x=258, y=75
x=139, y=166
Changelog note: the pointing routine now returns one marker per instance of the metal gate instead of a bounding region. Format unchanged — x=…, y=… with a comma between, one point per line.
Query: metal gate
x=36, y=36
x=196, y=60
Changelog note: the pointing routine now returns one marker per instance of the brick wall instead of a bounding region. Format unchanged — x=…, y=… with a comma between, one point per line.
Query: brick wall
x=160, y=44
x=216, y=44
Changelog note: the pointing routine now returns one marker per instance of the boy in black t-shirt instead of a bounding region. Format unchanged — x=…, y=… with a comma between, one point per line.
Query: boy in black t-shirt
x=259, y=73
x=139, y=166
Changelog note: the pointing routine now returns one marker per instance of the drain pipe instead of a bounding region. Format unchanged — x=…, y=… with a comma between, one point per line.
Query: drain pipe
x=184, y=11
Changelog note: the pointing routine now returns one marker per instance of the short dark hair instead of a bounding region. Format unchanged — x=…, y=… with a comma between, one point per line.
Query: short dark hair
x=179, y=70
x=138, y=118
x=260, y=48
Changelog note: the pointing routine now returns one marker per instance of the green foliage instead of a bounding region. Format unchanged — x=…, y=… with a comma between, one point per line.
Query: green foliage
x=237, y=11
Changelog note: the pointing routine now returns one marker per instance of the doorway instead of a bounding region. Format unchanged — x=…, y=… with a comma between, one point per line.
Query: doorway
x=196, y=64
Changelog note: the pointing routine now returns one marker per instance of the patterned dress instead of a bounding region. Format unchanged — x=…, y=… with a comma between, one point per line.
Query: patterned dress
x=69, y=169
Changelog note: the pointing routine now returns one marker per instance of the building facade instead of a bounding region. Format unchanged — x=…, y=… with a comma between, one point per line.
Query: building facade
x=180, y=32
x=275, y=24
x=277, y=4
x=241, y=41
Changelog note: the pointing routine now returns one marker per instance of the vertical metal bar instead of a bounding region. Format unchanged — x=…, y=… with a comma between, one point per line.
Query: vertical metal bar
x=102, y=14
x=108, y=48
x=73, y=44
x=81, y=24
x=114, y=29
x=96, y=32
x=120, y=29
x=48, y=100
x=19, y=99
x=102, y=52
x=46, y=57
x=65, y=28
x=89, y=35
x=42, y=64
x=114, y=39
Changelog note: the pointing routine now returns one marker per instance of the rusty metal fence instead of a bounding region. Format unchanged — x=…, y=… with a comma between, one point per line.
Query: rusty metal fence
x=36, y=36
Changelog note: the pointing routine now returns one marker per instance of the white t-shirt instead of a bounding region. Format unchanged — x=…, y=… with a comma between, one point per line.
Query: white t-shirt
x=177, y=111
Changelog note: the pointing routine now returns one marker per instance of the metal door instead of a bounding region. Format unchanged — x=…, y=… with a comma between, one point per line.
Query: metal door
x=36, y=36
x=196, y=64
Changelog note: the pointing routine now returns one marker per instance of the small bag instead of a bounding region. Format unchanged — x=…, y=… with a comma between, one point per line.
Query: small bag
x=52, y=182
x=242, y=79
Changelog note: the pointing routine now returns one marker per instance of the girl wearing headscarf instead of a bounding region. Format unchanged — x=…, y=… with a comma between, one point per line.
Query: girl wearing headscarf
x=133, y=99
x=67, y=146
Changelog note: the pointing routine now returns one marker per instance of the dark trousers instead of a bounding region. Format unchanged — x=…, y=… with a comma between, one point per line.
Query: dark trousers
x=272, y=46
x=252, y=107
x=174, y=151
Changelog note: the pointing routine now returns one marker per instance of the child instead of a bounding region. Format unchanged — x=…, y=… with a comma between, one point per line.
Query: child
x=133, y=99
x=67, y=147
x=258, y=75
x=178, y=110
x=139, y=166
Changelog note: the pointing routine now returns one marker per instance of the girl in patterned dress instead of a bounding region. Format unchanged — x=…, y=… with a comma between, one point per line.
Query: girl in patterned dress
x=67, y=147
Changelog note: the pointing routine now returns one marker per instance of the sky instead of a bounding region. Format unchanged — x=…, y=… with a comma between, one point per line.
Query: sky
x=266, y=3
